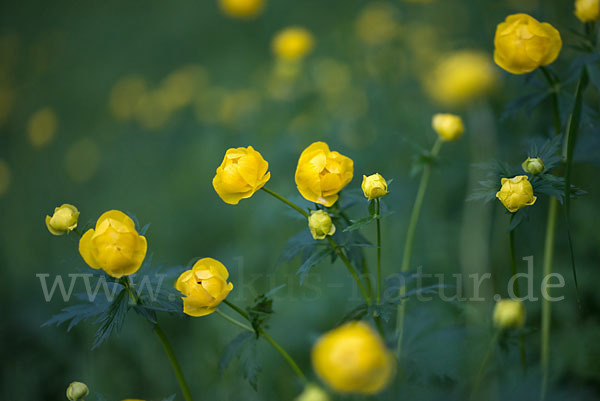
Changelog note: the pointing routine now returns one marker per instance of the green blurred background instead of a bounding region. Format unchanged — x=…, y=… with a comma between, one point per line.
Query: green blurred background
x=202, y=82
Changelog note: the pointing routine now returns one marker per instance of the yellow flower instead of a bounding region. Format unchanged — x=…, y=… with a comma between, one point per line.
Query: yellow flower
x=292, y=44
x=242, y=8
x=587, y=10
x=63, y=220
x=353, y=359
x=516, y=193
x=461, y=77
x=203, y=287
x=114, y=246
x=242, y=173
x=374, y=186
x=523, y=44
x=76, y=391
x=320, y=224
x=448, y=126
x=312, y=392
x=533, y=165
x=321, y=174
x=509, y=313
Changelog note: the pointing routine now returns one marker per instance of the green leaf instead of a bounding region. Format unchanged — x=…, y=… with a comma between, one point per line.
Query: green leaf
x=170, y=398
x=519, y=216
x=233, y=350
x=526, y=103
x=355, y=314
x=296, y=245
x=312, y=261
x=360, y=223
x=112, y=319
x=77, y=313
x=251, y=367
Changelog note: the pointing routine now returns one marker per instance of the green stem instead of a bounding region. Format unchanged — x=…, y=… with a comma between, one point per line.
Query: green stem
x=484, y=363
x=554, y=87
x=410, y=237
x=287, y=202
x=377, y=211
x=513, y=265
x=234, y=321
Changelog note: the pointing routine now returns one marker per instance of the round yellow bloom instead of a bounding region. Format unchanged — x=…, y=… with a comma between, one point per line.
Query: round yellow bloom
x=321, y=174
x=242, y=8
x=312, y=392
x=374, y=186
x=63, y=220
x=533, y=165
x=509, y=314
x=42, y=127
x=242, y=173
x=448, y=126
x=461, y=77
x=353, y=359
x=587, y=10
x=516, y=193
x=292, y=44
x=76, y=391
x=204, y=287
x=523, y=44
x=114, y=246
x=320, y=224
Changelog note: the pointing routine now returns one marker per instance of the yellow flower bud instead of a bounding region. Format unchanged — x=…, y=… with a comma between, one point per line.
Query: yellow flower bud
x=312, y=392
x=533, y=165
x=448, y=126
x=523, y=44
x=242, y=8
x=292, y=44
x=516, y=193
x=63, y=220
x=203, y=287
x=353, y=359
x=509, y=314
x=321, y=174
x=320, y=224
x=242, y=173
x=587, y=10
x=374, y=186
x=76, y=391
x=114, y=245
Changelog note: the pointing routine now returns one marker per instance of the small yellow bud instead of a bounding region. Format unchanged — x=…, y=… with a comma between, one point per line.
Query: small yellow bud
x=448, y=126
x=76, y=391
x=320, y=224
x=312, y=392
x=509, y=314
x=516, y=193
x=533, y=165
x=292, y=44
x=587, y=10
x=63, y=220
x=242, y=8
x=374, y=186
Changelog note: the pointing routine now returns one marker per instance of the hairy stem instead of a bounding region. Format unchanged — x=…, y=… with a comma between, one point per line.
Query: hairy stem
x=513, y=265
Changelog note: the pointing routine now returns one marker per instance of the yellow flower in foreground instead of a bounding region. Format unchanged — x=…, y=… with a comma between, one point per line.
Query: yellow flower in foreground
x=114, y=245
x=533, y=165
x=523, y=44
x=321, y=174
x=312, y=392
x=587, y=10
x=242, y=8
x=320, y=224
x=203, y=287
x=242, y=173
x=516, y=193
x=76, y=391
x=374, y=186
x=353, y=359
x=63, y=220
x=292, y=44
x=448, y=126
x=509, y=313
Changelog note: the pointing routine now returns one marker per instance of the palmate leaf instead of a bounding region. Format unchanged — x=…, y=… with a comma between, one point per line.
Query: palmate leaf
x=234, y=350
x=297, y=245
x=314, y=259
x=549, y=152
x=112, y=319
x=525, y=103
x=76, y=314
x=242, y=348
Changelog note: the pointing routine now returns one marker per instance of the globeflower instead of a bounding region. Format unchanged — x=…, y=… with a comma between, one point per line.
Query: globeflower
x=320, y=224
x=242, y=173
x=203, y=287
x=587, y=10
x=114, y=245
x=533, y=165
x=509, y=314
x=76, y=391
x=292, y=44
x=321, y=174
x=63, y=220
x=353, y=359
x=449, y=127
x=242, y=8
x=312, y=392
x=516, y=193
x=523, y=44
x=374, y=186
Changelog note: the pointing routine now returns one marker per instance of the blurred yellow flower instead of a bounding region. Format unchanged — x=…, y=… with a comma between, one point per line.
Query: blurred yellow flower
x=374, y=186
x=376, y=24
x=320, y=224
x=509, y=314
x=312, y=392
x=242, y=8
x=587, y=10
x=242, y=173
x=203, y=287
x=321, y=174
x=292, y=44
x=516, y=193
x=63, y=220
x=76, y=391
x=5, y=176
x=42, y=126
x=332, y=77
x=82, y=160
x=523, y=44
x=114, y=245
x=449, y=127
x=353, y=359
x=125, y=96
x=179, y=88
x=461, y=77
x=533, y=165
